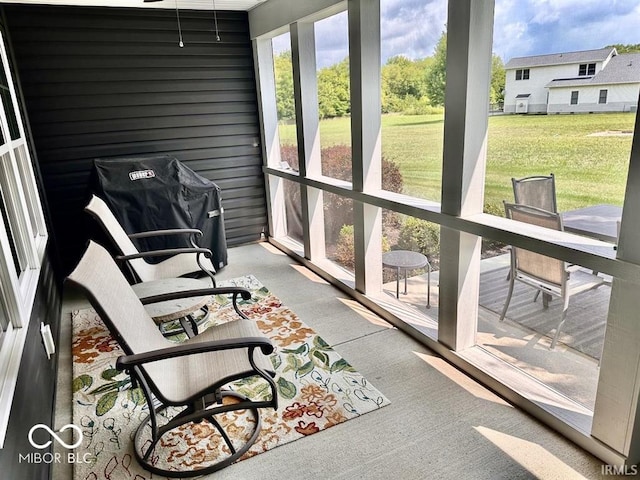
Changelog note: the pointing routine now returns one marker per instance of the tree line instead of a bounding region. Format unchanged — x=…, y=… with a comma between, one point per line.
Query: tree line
x=409, y=86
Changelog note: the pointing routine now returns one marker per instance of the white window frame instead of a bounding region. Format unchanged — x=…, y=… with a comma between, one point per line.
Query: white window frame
x=572, y=100
x=29, y=235
x=602, y=97
x=609, y=432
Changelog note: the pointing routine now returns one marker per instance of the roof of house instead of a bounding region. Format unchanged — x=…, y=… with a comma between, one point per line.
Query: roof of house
x=620, y=69
x=583, y=56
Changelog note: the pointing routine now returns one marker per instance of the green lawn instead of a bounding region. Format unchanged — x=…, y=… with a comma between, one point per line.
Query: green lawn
x=588, y=169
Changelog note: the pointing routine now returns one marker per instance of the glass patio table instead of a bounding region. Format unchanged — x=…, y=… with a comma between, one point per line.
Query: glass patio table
x=406, y=260
x=595, y=221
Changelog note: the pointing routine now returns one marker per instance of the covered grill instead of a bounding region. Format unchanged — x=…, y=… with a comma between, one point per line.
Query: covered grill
x=159, y=192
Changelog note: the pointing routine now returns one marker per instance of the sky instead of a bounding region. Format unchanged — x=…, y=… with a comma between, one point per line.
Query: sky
x=522, y=28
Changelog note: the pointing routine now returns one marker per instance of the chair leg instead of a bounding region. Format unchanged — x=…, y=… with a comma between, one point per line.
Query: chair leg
x=148, y=461
x=561, y=324
x=506, y=303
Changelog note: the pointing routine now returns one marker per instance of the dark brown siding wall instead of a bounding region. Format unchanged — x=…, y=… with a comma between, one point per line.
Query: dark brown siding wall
x=102, y=82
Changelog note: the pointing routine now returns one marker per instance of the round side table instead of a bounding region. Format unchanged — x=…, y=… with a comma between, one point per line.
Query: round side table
x=406, y=260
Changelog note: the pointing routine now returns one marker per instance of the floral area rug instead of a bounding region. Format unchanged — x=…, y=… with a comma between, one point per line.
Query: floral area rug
x=317, y=389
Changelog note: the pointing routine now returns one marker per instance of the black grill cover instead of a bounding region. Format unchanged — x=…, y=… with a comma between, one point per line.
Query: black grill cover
x=159, y=192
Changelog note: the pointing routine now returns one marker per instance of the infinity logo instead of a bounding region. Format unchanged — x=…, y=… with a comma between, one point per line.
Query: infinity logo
x=75, y=428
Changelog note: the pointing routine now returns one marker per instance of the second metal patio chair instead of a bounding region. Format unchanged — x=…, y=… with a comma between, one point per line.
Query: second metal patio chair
x=548, y=275
x=181, y=261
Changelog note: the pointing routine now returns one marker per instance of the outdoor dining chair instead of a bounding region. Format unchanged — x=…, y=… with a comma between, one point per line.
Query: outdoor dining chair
x=551, y=276
x=182, y=381
x=182, y=261
x=536, y=191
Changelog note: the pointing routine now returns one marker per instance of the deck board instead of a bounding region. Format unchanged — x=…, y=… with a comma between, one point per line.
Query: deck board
x=586, y=318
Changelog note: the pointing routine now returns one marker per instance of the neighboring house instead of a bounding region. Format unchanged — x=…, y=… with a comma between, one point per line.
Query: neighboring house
x=574, y=82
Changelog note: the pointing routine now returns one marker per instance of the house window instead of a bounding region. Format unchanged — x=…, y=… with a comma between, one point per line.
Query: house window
x=603, y=96
x=23, y=237
x=8, y=107
x=574, y=97
x=522, y=74
x=12, y=244
x=587, y=69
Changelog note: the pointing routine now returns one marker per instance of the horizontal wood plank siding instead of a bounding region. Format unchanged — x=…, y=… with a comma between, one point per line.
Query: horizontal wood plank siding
x=104, y=82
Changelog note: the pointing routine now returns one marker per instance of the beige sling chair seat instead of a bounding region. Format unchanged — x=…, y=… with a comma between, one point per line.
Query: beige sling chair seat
x=190, y=375
x=551, y=276
x=181, y=261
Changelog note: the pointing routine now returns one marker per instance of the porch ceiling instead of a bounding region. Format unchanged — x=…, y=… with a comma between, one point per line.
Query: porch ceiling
x=168, y=4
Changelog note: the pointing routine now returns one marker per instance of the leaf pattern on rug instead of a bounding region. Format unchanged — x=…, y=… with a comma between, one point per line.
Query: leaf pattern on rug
x=317, y=390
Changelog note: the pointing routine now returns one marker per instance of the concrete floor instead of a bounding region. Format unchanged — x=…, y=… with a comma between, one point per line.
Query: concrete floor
x=440, y=424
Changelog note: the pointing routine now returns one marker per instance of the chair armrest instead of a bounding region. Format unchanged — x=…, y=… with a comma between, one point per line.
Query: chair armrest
x=164, y=252
x=197, y=292
x=169, y=231
x=127, y=361
x=572, y=268
x=200, y=292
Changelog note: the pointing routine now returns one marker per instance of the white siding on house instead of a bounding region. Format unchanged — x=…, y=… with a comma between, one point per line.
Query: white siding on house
x=553, y=78
x=617, y=98
x=539, y=77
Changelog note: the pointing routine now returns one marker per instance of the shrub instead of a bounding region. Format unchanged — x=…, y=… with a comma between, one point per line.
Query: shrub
x=336, y=163
x=289, y=154
x=494, y=208
x=420, y=236
x=345, y=248
x=489, y=246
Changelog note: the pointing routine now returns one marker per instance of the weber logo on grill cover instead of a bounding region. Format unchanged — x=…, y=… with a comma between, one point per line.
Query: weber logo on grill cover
x=140, y=174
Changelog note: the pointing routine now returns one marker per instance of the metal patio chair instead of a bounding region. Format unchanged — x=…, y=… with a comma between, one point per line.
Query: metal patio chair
x=536, y=191
x=182, y=261
x=189, y=375
x=548, y=275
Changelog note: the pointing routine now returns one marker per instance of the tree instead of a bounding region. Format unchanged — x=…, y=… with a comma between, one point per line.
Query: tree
x=284, y=85
x=631, y=48
x=334, y=97
x=496, y=94
x=403, y=83
x=437, y=74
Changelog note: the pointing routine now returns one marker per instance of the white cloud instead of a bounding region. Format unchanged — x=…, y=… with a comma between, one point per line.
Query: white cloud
x=522, y=27
x=550, y=26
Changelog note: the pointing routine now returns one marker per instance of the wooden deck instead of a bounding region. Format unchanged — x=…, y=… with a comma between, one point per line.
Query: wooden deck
x=586, y=316
x=524, y=337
